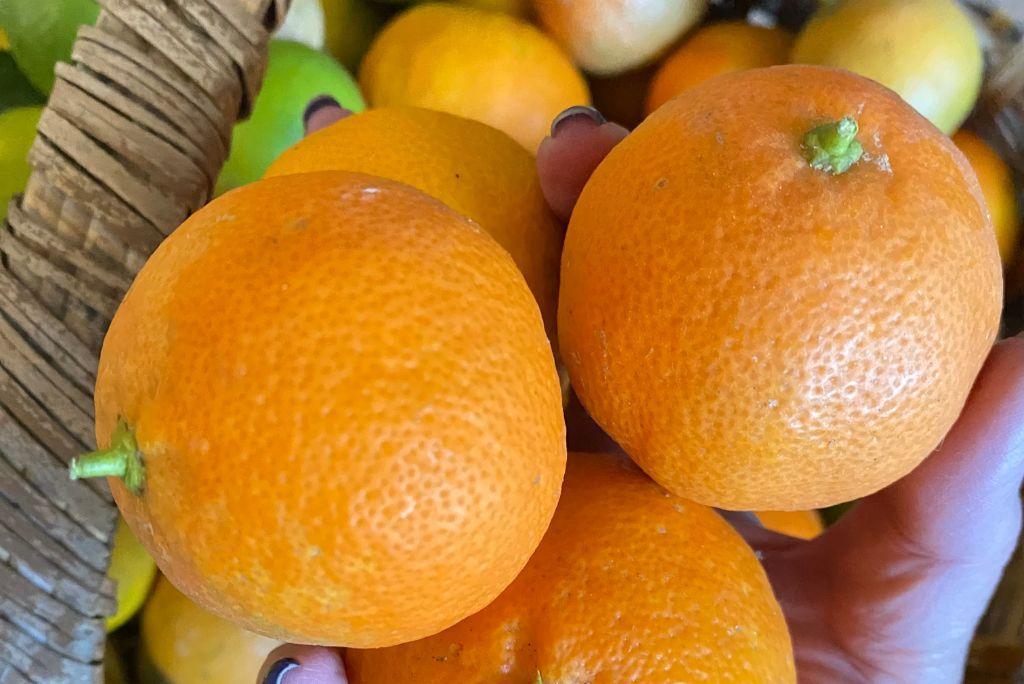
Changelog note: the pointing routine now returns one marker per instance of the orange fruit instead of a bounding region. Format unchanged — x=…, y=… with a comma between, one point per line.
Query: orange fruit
x=482, y=65
x=715, y=50
x=1000, y=192
x=341, y=390
x=761, y=334
x=473, y=168
x=800, y=524
x=184, y=644
x=630, y=584
x=608, y=37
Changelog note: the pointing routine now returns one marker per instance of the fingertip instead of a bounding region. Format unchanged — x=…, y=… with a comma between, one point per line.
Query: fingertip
x=321, y=112
x=295, y=664
x=580, y=140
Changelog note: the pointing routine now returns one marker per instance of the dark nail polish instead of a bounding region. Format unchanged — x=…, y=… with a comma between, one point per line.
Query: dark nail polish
x=316, y=104
x=277, y=671
x=579, y=111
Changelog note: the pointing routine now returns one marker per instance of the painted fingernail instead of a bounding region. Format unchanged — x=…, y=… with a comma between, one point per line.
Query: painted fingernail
x=277, y=671
x=577, y=112
x=316, y=104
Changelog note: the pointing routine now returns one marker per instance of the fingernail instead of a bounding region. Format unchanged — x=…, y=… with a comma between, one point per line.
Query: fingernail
x=577, y=112
x=316, y=104
x=277, y=671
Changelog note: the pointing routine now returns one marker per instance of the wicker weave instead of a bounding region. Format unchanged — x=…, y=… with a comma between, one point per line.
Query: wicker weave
x=135, y=132
x=133, y=137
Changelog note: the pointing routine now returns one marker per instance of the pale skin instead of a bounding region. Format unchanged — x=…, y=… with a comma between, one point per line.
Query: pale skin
x=891, y=593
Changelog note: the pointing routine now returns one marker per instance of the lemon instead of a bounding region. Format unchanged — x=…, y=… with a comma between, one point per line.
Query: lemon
x=17, y=131
x=41, y=33
x=925, y=50
x=184, y=644
x=133, y=571
x=296, y=74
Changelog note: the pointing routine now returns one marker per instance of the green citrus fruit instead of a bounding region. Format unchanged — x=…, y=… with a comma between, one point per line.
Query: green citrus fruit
x=295, y=75
x=925, y=50
x=17, y=131
x=133, y=570
x=15, y=90
x=41, y=33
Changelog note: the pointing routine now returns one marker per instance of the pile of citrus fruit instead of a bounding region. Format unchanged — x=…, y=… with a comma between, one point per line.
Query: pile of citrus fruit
x=331, y=405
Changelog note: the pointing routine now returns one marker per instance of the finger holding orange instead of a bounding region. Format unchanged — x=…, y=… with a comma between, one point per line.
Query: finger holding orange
x=481, y=65
x=715, y=50
x=323, y=393
x=629, y=584
x=473, y=168
x=791, y=322
x=1000, y=192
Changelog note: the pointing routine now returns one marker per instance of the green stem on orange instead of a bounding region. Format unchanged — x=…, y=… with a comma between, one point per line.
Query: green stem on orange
x=121, y=459
x=833, y=147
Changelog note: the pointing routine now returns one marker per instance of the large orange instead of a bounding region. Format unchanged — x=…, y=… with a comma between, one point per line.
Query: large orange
x=1000, y=191
x=715, y=50
x=473, y=168
x=630, y=584
x=346, y=408
x=482, y=65
x=608, y=37
x=761, y=334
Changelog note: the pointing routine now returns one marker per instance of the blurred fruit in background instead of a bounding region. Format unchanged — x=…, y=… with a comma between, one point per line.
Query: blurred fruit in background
x=482, y=65
x=304, y=24
x=608, y=37
x=133, y=571
x=715, y=50
x=41, y=33
x=925, y=50
x=473, y=168
x=621, y=97
x=184, y=644
x=113, y=666
x=15, y=89
x=517, y=8
x=349, y=27
x=5, y=43
x=799, y=524
x=295, y=74
x=997, y=184
x=17, y=130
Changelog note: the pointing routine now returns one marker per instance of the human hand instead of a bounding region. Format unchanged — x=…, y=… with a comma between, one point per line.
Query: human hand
x=894, y=591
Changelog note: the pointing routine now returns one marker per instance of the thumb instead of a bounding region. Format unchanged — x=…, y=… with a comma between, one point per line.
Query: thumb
x=580, y=138
x=292, y=664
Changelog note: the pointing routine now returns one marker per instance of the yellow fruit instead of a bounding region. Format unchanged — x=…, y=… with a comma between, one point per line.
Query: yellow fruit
x=925, y=50
x=800, y=524
x=184, y=644
x=997, y=184
x=482, y=65
x=17, y=131
x=473, y=168
x=5, y=44
x=517, y=8
x=132, y=568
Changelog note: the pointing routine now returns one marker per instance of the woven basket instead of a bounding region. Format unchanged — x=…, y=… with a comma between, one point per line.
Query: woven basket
x=131, y=142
